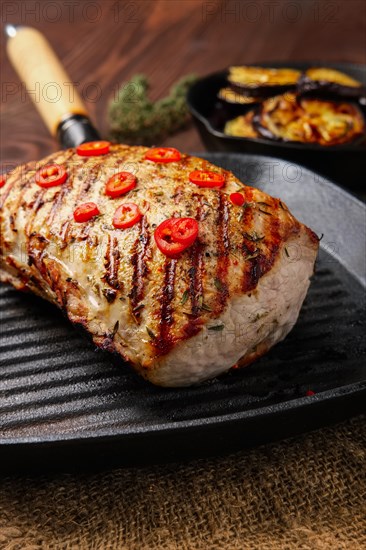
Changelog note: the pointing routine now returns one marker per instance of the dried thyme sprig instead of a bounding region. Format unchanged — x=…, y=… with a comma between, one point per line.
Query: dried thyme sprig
x=135, y=119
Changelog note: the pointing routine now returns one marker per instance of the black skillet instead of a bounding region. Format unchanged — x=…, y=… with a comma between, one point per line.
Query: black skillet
x=344, y=164
x=64, y=404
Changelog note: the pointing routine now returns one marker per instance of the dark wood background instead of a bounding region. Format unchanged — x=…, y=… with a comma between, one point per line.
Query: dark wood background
x=104, y=43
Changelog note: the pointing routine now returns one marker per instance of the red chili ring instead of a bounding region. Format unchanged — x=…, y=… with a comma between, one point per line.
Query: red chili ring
x=50, y=175
x=86, y=212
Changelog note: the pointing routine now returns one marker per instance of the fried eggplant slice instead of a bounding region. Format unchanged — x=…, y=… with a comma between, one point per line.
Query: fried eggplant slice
x=325, y=81
x=262, y=81
x=235, y=98
x=241, y=126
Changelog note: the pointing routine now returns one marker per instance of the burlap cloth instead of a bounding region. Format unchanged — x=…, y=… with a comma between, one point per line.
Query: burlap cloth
x=305, y=493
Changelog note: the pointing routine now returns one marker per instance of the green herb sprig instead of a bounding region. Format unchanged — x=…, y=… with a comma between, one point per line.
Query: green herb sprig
x=135, y=119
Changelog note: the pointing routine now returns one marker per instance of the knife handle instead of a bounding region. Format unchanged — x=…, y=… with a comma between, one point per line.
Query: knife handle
x=50, y=87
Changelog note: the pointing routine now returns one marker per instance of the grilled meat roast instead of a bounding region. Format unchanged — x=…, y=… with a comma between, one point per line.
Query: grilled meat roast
x=225, y=301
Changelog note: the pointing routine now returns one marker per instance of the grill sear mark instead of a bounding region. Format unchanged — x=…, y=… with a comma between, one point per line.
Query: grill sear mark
x=196, y=270
x=273, y=230
x=63, y=233
x=86, y=186
x=111, y=263
x=178, y=194
x=223, y=249
x=58, y=200
x=140, y=269
x=35, y=243
x=23, y=180
x=86, y=230
x=164, y=340
x=248, y=246
x=65, y=188
x=27, y=178
x=36, y=249
x=91, y=179
x=258, y=266
x=37, y=204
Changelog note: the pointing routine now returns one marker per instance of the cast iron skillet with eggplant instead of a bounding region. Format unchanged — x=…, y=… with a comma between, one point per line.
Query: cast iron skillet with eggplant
x=244, y=97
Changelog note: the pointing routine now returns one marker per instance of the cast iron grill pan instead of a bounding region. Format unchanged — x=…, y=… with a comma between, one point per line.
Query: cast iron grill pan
x=64, y=403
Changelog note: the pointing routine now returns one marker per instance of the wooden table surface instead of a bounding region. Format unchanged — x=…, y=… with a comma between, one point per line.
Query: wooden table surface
x=103, y=44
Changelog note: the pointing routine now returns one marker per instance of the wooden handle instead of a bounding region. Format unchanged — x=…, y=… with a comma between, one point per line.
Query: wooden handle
x=48, y=84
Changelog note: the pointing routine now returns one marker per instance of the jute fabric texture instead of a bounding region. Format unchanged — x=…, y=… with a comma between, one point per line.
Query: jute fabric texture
x=308, y=493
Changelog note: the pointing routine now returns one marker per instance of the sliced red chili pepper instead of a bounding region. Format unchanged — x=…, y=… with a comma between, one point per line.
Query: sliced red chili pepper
x=185, y=230
x=51, y=175
x=237, y=198
x=163, y=154
x=2, y=181
x=119, y=184
x=164, y=239
x=93, y=148
x=86, y=212
x=175, y=235
x=207, y=178
x=126, y=215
